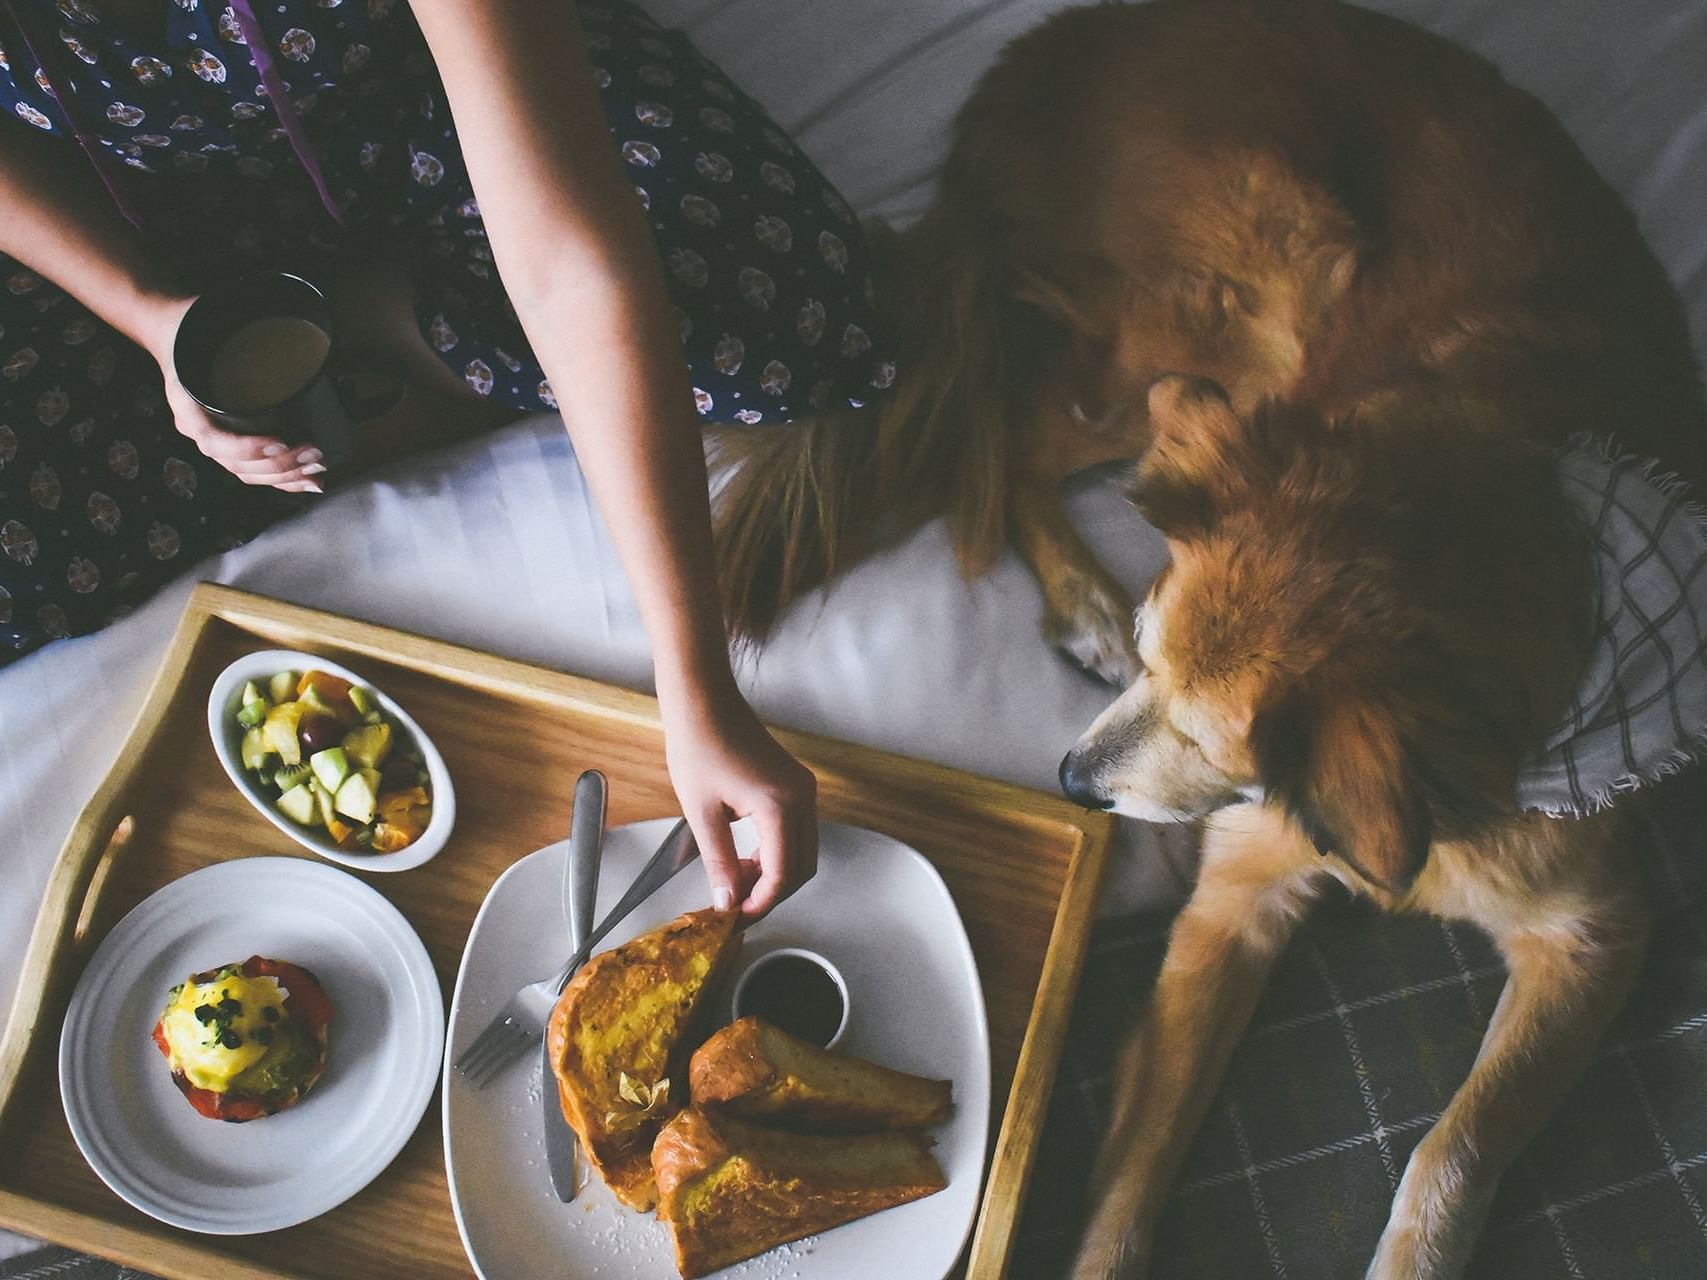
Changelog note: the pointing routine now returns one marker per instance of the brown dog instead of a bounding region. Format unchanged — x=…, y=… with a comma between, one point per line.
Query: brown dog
x=1291, y=199
x=1344, y=290
x=1360, y=629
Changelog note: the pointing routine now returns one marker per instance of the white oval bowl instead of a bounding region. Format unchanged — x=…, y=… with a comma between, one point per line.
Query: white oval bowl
x=222, y=707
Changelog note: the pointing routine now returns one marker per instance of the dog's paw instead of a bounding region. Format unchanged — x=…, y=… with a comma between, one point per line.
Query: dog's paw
x=1092, y=627
x=1112, y=1253
x=1399, y=1256
x=1408, y=1251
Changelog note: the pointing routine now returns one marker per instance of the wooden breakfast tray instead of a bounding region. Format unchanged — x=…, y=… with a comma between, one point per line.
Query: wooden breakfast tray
x=1024, y=868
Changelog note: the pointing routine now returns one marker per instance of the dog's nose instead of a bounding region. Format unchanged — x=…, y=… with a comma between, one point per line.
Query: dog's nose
x=1077, y=786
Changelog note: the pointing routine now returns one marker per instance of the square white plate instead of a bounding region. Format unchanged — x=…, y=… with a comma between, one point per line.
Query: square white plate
x=877, y=909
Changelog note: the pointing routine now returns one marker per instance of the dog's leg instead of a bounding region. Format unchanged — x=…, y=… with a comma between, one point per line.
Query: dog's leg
x=1086, y=613
x=1253, y=887
x=1566, y=980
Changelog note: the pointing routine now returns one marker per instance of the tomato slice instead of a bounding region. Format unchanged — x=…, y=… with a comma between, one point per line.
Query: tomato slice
x=219, y=1106
x=305, y=999
x=215, y=1106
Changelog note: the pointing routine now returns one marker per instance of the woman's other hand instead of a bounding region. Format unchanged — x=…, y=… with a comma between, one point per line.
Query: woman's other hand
x=257, y=460
x=724, y=766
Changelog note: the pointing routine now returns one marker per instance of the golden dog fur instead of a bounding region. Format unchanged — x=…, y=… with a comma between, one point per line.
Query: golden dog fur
x=1343, y=290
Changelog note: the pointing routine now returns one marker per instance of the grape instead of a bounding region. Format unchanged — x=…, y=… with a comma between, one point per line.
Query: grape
x=319, y=732
x=397, y=774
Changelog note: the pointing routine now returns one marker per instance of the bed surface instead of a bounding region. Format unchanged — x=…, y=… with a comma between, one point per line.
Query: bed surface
x=496, y=544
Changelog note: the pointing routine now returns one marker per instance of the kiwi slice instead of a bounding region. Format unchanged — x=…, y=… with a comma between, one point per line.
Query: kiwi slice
x=292, y=775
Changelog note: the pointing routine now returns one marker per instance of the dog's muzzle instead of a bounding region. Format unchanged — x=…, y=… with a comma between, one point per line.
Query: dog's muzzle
x=1078, y=785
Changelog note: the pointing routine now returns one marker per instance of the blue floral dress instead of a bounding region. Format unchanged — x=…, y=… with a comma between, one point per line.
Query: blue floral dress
x=261, y=134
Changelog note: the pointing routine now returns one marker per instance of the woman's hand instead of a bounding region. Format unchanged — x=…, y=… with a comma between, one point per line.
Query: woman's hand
x=724, y=765
x=258, y=460
x=55, y=218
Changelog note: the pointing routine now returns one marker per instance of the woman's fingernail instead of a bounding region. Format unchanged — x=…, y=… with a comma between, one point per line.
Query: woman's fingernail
x=313, y=468
x=272, y=451
x=722, y=897
x=309, y=455
x=306, y=486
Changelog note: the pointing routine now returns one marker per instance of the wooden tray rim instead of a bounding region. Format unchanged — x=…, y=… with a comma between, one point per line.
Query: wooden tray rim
x=79, y=873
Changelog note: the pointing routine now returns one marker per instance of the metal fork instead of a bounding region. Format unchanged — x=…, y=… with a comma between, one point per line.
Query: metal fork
x=521, y=1022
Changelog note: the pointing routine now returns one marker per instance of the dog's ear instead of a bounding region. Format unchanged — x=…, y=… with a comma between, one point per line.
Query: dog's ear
x=1337, y=762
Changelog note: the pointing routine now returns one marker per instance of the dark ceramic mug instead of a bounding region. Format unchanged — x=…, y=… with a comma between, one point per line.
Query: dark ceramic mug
x=259, y=354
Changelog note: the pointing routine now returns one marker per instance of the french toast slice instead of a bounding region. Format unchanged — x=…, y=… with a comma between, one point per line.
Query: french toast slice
x=619, y=1036
x=730, y=1190
x=761, y=1073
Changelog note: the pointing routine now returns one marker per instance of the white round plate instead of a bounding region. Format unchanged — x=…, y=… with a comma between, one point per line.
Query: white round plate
x=877, y=909
x=223, y=703
x=387, y=1039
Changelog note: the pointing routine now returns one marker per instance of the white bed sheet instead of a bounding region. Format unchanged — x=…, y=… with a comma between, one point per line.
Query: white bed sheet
x=496, y=544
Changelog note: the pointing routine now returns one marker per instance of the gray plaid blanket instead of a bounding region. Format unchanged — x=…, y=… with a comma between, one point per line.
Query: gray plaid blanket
x=62, y=1264
x=1365, y=1031
x=1641, y=711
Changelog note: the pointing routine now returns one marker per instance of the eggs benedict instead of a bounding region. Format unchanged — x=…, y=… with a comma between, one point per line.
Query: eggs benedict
x=245, y=1040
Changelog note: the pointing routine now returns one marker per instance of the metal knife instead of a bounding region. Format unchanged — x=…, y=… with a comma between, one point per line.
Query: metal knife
x=586, y=843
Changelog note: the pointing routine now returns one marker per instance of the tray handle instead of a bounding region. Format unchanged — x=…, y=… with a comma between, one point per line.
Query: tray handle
x=82, y=941
x=64, y=931
x=65, y=926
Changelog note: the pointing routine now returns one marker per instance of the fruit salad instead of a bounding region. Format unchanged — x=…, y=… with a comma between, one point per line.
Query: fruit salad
x=325, y=753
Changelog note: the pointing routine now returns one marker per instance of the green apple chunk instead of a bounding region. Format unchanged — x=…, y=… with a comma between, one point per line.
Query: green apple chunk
x=356, y=799
x=362, y=700
x=298, y=805
x=324, y=804
x=252, y=706
x=282, y=687
x=331, y=766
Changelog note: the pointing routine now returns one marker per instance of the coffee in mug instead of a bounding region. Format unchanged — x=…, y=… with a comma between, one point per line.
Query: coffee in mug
x=259, y=353
x=267, y=361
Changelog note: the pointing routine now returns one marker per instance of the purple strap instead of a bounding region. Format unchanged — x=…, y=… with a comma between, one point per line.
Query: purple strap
x=101, y=161
x=261, y=54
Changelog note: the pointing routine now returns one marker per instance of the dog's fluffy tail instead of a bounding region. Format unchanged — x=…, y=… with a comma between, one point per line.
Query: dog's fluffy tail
x=804, y=501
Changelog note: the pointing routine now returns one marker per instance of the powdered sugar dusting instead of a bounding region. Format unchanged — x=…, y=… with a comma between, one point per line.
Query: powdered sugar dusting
x=781, y=1263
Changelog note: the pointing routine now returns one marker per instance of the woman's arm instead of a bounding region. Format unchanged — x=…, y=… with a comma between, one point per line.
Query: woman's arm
x=56, y=219
x=570, y=240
